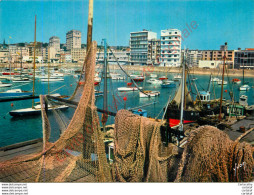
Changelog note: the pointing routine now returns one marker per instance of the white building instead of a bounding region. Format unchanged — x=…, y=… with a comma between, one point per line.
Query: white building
x=193, y=57
x=73, y=39
x=55, y=43
x=139, y=46
x=209, y=63
x=170, y=47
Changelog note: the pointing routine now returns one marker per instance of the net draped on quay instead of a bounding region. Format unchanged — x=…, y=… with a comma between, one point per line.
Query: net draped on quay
x=140, y=155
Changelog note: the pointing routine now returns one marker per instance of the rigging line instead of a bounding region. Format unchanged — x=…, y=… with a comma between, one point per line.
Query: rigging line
x=141, y=90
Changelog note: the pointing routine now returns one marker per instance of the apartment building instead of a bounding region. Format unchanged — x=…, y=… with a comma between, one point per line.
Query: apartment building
x=170, y=48
x=244, y=58
x=73, y=40
x=139, y=46
x=154, y=51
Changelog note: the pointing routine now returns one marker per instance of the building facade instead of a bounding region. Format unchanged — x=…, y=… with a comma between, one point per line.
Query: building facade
x=78, y=54
x=139, y=46
x=154, y=51
x=217, y=55
x=210, y=64
x=73, y=40
x=170, y=48
x=54, y=42
x=193, y=57
x=244, y=58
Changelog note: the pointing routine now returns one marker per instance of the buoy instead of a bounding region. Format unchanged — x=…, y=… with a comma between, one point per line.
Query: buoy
x=139, y=110
x=226, y=91
x=70, y=84
x=12, y=104
x=124, y=98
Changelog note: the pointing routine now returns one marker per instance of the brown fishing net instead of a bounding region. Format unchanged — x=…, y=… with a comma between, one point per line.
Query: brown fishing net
x=139, y=152
x=210, y=156
x=78, y=155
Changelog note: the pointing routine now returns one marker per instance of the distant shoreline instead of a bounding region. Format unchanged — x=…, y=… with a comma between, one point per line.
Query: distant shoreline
x=151, y=69
x=196, y=71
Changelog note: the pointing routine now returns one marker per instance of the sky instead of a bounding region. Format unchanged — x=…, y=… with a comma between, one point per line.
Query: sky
x=219, y=21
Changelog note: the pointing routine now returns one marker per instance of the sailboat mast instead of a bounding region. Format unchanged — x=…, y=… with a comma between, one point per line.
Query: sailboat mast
x=182, y=94
x=243, y=71
x=34, y=59
x=222, y=82
x=105, y=100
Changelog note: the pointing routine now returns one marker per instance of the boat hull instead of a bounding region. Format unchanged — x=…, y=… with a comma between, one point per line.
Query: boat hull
x=32, y=111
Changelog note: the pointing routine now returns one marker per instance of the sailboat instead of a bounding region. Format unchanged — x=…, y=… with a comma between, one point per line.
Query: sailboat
x=244, y=87
x=34, y=109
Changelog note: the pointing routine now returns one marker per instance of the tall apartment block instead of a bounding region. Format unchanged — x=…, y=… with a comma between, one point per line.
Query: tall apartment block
x=170, y=48
x=55, y=43
x=139, y=46
x=73, y=39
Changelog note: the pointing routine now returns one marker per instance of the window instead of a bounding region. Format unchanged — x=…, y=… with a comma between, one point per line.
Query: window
x=175, y=32
x=212, y=64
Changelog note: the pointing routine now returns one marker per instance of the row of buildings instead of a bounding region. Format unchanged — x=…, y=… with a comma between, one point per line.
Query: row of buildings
x=144, y=49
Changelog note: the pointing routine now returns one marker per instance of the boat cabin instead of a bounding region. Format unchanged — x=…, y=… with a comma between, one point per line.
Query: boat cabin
x=204, y=96
x=235, y=110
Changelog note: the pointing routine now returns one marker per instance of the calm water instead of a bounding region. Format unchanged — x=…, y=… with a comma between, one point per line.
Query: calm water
x=14, y=130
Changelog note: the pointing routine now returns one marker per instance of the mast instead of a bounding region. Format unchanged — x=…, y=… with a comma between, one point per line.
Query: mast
x=243, y=71
x=182, y=94
x=90, y=25
x=34, y=59
x=222, y=84
x=104, y=120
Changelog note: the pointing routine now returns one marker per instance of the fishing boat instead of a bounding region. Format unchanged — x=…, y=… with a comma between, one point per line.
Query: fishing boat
x=236, y=81
x=121, y=89
x=5, y=84
x=148, y=94
x=52, y=80
x=35, y=110
x=163, y=78
x=13, y=93
x=154, y=81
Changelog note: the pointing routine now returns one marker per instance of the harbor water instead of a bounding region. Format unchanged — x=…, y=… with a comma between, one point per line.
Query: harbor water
x=18, y=129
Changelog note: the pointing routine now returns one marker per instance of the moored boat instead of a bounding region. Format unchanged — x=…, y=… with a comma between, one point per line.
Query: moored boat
x=148, y=94
x=13, y=93
x=236, y=81
x=121, y=89
x=34, y=111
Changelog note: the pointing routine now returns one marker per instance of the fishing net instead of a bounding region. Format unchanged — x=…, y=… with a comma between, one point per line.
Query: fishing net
x=210, y=156
x=78, y=155
x=139, y=152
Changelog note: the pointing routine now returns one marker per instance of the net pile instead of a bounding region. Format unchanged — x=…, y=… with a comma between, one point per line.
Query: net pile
x=78, y=155
x=140, y=155
x=210, y=156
